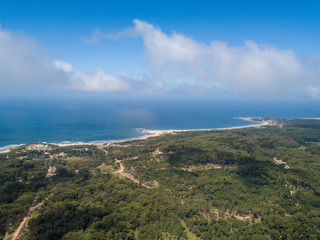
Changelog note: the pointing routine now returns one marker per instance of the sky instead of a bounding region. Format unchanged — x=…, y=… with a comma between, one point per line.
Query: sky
x=260, y=49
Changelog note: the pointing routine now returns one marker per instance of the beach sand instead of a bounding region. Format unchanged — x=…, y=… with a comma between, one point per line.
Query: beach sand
x=149, y=133
x=155, y=133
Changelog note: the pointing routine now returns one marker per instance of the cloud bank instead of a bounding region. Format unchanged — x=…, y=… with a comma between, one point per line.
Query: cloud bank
x=99, y=81
x=217, y=68
x=178, y=64
x=23, y=65
x=253, y=69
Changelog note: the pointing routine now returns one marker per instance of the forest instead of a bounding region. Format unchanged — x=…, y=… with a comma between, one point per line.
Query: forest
x=249, y=183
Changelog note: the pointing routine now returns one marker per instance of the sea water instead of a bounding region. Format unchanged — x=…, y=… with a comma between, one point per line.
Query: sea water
x=96, y=118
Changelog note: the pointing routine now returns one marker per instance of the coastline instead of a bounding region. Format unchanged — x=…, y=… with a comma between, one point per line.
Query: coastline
x=148, y=134
x=8, y=148
x=154, y=133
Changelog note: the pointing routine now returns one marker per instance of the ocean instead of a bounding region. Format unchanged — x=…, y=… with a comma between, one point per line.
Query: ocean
x=97, y=118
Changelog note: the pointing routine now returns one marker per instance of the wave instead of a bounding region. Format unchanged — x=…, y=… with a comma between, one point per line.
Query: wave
x=7, y=148
x=142, y=134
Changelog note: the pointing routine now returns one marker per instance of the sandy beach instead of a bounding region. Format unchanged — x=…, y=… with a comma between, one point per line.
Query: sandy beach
x=149, y=133
x=10, y=147
x=154, y=133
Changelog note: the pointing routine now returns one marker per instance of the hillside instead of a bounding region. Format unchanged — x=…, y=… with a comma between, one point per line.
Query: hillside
x=251, y=183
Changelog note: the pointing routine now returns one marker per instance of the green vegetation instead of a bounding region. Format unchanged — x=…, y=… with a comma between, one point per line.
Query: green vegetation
x=254, y=183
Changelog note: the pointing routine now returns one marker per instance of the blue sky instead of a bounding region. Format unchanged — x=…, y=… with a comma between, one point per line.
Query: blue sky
x=59, y=27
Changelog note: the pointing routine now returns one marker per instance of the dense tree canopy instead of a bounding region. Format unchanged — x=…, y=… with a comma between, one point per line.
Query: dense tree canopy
x=253, y=183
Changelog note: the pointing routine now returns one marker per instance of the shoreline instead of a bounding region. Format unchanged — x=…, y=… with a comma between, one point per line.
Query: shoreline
x=149, y=133
x=154, y=133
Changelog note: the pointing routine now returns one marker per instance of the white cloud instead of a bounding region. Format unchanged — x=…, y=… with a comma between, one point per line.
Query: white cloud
x=63, y=65
x=252, y=69
x=99, y=81
x=177, y=64
x=24, y=66
x=20, y=59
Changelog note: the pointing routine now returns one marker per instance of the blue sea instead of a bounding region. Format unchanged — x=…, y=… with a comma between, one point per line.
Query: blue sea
x=96, y=118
